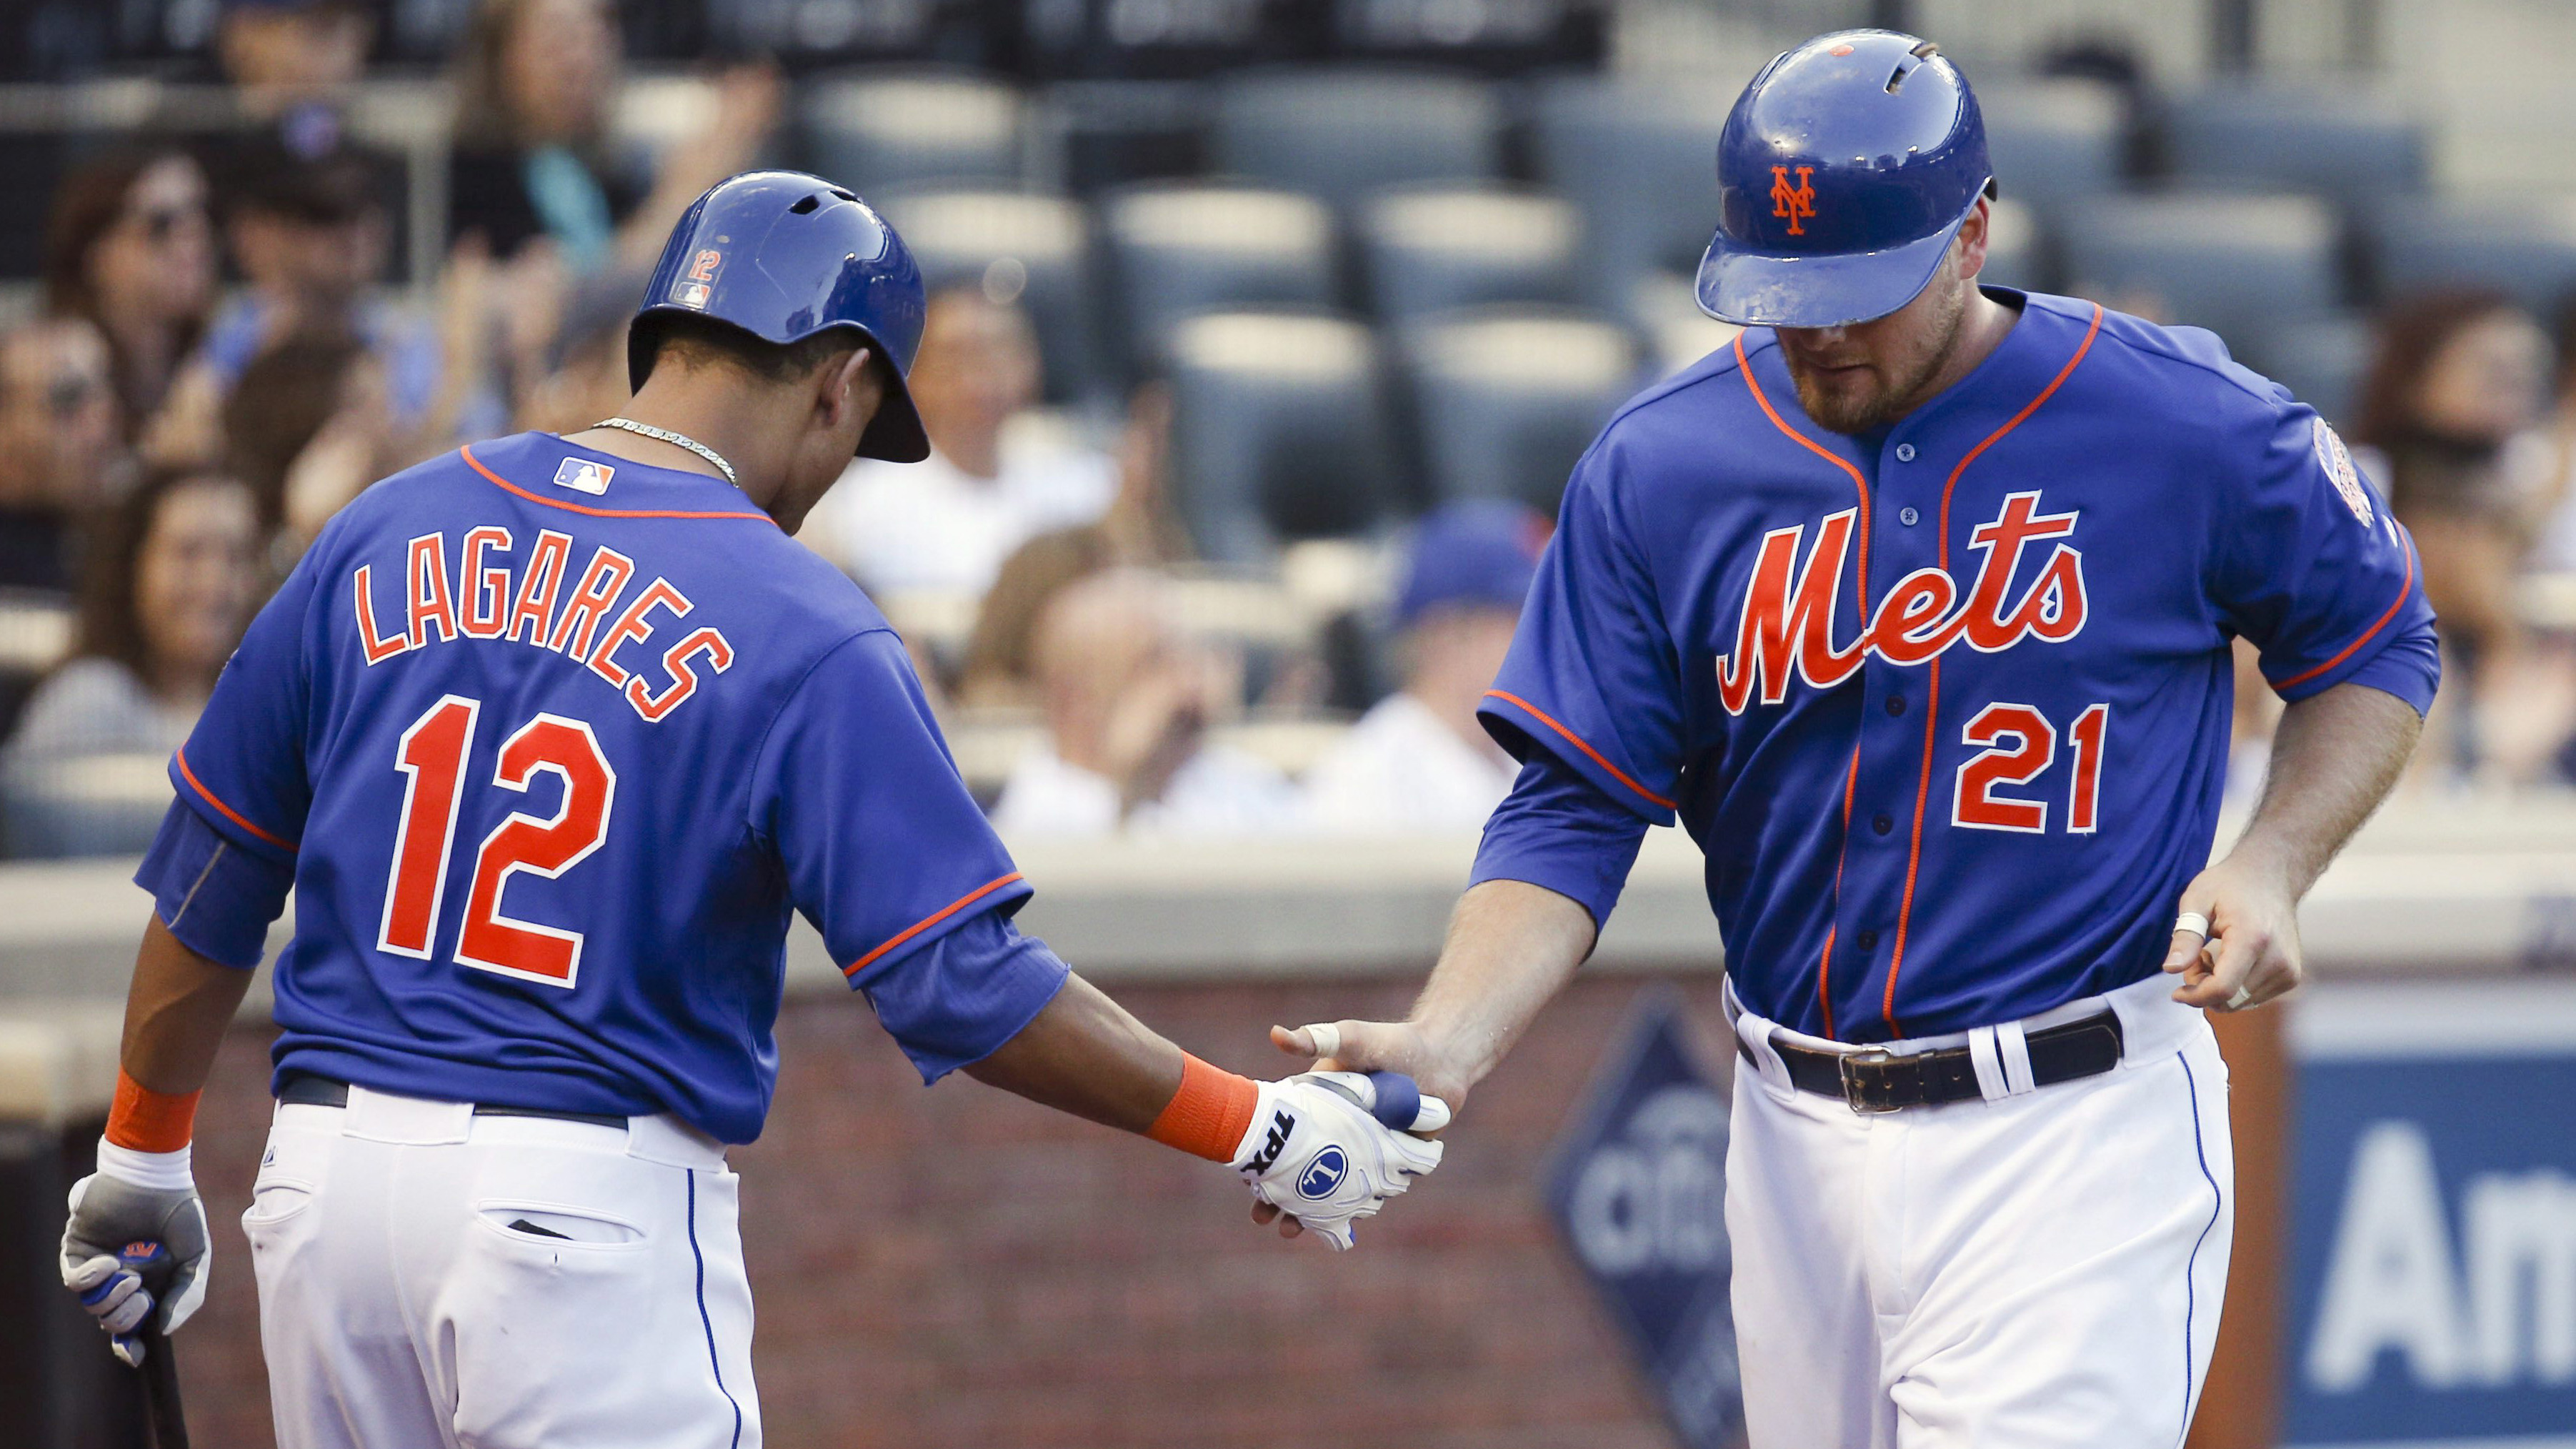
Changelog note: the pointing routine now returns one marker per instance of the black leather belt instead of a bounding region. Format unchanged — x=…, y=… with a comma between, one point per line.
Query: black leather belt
x=304, y=1089
x=1875, y=1079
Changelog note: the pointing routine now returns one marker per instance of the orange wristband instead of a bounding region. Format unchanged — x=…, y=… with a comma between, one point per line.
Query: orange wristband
x=143, y=1120
x=1208, y=1116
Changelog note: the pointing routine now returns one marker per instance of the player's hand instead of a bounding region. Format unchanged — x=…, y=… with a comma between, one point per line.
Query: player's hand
x=1377, y=1046
x=108, y=1214
x=2250, y=954
x=1318, y=1158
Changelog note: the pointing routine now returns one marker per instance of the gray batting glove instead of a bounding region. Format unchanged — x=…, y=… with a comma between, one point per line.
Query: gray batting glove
x=1315, y=1152
x=112, y=1219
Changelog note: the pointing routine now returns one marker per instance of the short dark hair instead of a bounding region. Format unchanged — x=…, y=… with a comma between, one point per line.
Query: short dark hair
x=699, y=341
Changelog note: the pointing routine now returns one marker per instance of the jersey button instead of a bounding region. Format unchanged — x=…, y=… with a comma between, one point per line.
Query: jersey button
x=1905, y=454
x=1868, y=940
x=1883, y=824
x=1908, y=517
x=1896, y=704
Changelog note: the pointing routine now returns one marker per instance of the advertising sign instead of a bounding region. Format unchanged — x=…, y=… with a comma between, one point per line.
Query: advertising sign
x=1639, y=1192
x=2433, y=1263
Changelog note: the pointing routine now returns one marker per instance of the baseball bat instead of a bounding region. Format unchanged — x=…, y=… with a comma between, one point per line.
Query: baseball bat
x=160, y=1367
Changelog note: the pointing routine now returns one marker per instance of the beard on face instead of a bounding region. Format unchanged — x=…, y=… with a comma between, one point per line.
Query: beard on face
x=1901, y=355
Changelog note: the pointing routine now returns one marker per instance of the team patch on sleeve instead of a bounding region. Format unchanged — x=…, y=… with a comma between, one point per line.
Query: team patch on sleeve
x=2336, y=460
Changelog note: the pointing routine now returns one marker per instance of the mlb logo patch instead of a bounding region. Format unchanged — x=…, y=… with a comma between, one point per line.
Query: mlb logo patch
x=584, y=476
x=691, y=294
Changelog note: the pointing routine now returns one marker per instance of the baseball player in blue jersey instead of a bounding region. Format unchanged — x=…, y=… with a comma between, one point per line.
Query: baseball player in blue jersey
x=1914, y=605
x=549, y=736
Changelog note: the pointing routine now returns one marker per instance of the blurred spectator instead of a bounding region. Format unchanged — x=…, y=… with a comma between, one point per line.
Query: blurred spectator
x=131, y=249
x=1128, y=700
x=306, y=431
x=948, y=522
x=285, y=56
x=312, y=238
x=60, y=454
x=580, y=377
x=1418, y=761
x=2556, y=551
x=1140, y=530
x=535, y=93
x=2454, y=394
x=166, y=594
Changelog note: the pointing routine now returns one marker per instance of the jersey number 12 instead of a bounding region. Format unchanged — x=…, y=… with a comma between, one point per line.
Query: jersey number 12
x=433, y=755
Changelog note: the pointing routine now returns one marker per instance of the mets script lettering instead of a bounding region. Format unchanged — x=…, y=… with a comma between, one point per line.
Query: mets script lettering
x=1788, y=618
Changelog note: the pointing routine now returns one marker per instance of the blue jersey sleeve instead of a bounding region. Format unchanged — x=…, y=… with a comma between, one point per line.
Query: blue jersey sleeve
x=244, y=765
x=2311, y=566
x=1592, y=679
x=217, y=898
x=955, y=1001
x=1555, y=830
x=884, y=850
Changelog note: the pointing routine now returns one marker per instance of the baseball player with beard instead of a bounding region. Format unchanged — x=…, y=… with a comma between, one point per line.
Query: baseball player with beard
x=548, y=736
x=1915, y=606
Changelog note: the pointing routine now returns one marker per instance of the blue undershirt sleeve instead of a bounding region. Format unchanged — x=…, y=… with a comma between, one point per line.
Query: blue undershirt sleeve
x=1558, y=831
x=953, y=1002
x=215, y=897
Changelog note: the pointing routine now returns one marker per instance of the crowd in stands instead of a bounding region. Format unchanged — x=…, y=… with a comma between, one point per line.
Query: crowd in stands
x=218, y=360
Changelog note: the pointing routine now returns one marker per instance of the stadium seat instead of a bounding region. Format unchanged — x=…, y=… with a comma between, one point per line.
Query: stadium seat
x=1179, y=250
x=1507, y=398
x=871, y=130
x=1279, y=431
x=2055, y=143
x=2524, y=245
x=2014, y=257
x=1342, y=133
x=2321, y=362
x=1434, y=249
x=1016, y=246
x=2224, y=260
x=1663, y=308
x=2348, y=144
x=1639, y=161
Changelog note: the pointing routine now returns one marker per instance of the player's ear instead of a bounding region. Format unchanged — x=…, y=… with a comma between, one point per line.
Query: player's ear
x=1971, y=240
x=851, y=385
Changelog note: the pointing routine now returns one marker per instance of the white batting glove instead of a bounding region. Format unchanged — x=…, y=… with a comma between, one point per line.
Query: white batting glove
x=1316, y=1152
x=134, y=1201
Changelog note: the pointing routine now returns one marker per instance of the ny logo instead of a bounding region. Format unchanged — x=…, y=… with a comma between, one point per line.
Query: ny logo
x=1798, y=202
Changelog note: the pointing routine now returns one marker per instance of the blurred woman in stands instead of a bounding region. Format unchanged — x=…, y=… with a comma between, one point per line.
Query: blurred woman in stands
x=534, y=162
x=131, y=249
x=61, y=455
x=2454, y=397
x=168, y=588
x=307, y=429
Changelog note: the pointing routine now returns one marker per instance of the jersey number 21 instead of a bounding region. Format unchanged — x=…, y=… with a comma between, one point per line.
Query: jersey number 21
x=433, y=755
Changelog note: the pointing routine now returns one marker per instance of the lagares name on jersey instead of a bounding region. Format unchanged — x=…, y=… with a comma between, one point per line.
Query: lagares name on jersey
x=1788, y=618
x=524, y=599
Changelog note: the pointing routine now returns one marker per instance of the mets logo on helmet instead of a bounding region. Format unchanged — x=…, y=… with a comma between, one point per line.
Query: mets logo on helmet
x=1796, y=203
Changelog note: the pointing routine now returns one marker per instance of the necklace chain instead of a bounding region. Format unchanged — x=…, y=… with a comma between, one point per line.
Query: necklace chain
x=677, y=440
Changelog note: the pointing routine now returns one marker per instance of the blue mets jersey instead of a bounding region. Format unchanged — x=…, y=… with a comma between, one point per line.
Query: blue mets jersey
x=554, y=741
x=1946, y=707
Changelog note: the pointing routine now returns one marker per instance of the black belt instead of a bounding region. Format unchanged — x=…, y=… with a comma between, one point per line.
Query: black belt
x=1875, y=1079
x=304, y=1089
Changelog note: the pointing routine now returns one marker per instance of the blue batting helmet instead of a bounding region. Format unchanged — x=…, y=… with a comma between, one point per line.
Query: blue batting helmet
x=783, y=255
x=1843, y=172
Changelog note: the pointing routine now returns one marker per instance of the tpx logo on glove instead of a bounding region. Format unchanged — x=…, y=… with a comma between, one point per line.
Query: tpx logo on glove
x=1324, y=1172
x=1281, y=1125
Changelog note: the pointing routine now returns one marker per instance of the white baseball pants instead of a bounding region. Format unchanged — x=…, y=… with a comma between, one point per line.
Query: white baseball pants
x=2038, y=1270
x=410, y=1296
